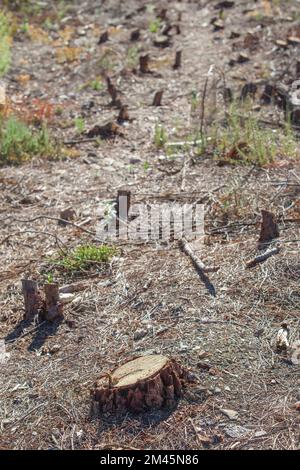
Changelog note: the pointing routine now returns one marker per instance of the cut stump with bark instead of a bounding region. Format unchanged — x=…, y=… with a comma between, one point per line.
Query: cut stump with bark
x=144, y=383
x=54, y=308
x=32, y=299
x=269, y=229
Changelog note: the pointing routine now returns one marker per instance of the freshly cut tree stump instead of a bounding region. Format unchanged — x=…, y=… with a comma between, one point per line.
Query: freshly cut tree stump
x=144, y=383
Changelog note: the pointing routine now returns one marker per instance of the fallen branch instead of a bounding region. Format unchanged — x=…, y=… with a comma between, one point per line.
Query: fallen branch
x=79, y=141
x=263, y=257
x=48, y=217
x=200, y=267
x=197, y=262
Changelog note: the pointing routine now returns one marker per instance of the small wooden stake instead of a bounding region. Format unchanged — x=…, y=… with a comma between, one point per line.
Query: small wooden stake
x=177, y=63
x=103, y=38
x=135, y=35
x=122, y=211
x=267, y=94
x=249, y=89
x=269, y=229
x=144, y=64
x=157, y=98
x=111, y=90
x=227, y=95
x=123, y=115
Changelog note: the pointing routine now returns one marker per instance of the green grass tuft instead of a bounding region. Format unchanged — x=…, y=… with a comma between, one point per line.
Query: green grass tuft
x=160, y=136
x=245, y=141
x=19, y=142
x=85, y=256
x=5, y=43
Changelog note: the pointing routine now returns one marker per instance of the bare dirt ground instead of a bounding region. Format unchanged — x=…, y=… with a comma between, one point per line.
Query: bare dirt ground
x=226, y=340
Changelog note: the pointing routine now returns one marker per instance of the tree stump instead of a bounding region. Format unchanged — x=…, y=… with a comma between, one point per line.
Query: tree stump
x=54, y=308
x=32, y=298
x=269, y=229
x=144, y=63
x=177, y=63
x=144, y=383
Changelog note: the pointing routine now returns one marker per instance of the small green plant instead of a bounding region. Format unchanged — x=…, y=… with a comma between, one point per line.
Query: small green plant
x=244, y=140
x=62, y=9
x=49, y=278
x=108, y=61
x=24, y=28
x=146, y=166
x=155, y=25
x=79, y=124
x=96, y=84
x=194, y=101
x=48, y=24
x=160, y=136
x=19, y=142
x=132, y=56
x=58, y=111
x=85, y=256
x=5, y=42
x=27, y=7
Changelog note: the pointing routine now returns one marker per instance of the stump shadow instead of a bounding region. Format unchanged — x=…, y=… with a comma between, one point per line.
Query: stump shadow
x=39, y=335
x=142, y=421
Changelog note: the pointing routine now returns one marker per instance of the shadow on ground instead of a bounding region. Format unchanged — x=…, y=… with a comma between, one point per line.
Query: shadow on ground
x=40, y=333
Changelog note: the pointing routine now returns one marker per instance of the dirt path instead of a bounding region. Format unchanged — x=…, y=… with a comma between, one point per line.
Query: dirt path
x=150, y=300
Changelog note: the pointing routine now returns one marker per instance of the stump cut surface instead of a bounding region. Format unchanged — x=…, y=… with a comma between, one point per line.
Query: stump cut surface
x=138, y=369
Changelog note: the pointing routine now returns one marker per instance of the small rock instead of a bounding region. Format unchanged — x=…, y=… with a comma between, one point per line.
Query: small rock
x=231, y=414
x=297, y=405
x=281, y=43
x=217, y=390
x=139, y=334
x=260, y=433
x=293, y=40
x=161, y=41
x=218, y=24
x=200, y=352
x=234, y=35
x=235, y=431
x=242, y=58
x=67, y=214
x=66, y=298
x=54, y=349
x=227, y=389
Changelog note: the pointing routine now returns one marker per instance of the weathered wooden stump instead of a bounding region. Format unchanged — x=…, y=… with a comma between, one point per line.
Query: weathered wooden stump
x=54, y=308
x=32, y=298
x=144, y=383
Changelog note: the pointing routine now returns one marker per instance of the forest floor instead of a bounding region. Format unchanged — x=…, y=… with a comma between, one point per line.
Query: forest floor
x=150, y=298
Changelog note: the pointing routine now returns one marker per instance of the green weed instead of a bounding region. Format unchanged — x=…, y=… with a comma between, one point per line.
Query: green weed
x=85, y=256
x=160, y=136
x=19, y=142
x=5, y=42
